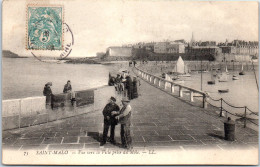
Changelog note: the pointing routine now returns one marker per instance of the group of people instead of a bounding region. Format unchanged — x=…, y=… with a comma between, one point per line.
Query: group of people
x=114, y=115
x=49, y=95
x=125, y=85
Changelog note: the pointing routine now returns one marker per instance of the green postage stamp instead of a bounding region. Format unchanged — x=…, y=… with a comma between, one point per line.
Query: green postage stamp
x=44, y=31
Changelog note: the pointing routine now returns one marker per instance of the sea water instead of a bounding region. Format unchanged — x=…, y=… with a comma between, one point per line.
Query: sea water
x=26, y=77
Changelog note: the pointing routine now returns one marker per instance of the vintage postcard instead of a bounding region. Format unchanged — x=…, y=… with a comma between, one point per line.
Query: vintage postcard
x=123, y=82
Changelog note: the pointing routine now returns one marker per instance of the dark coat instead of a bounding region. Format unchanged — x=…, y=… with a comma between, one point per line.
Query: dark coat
x=67, y=88
x=107, y=112
x=47, y=91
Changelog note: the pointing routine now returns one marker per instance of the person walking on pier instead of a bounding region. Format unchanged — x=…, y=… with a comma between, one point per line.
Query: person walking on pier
x=124, y=118
x=135, y=87
x=110, y=120
x=129, y=87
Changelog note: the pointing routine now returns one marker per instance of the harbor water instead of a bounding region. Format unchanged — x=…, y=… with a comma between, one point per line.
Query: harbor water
x=26, y=77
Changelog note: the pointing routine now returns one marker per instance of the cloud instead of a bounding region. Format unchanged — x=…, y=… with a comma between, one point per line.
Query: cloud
x=99, y=24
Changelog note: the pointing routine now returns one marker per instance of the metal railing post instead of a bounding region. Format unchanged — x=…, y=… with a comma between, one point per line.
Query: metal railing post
x=221, y=108
x=245, y=117
x=180, y=91
x=191, y=96
x=172, y=88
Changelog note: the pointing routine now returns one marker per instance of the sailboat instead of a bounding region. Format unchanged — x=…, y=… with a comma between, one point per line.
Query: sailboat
x=227, y=70
x=242, y=71
x=235, y=77
x=181, y=69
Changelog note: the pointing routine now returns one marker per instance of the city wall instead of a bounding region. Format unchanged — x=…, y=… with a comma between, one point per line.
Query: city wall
x=25, y=112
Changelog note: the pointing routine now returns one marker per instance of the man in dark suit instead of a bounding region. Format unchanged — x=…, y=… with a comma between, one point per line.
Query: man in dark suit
x=110, y=121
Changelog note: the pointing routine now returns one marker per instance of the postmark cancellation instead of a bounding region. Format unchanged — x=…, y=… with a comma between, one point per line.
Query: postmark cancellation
x=44, y=27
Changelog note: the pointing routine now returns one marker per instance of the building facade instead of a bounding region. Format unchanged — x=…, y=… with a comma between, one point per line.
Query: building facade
x=240, y=47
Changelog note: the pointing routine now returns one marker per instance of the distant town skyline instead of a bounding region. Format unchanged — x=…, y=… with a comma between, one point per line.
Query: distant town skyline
x=96, y=25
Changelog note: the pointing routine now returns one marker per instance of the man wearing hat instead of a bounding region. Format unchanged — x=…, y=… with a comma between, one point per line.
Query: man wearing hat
x=67, y=87
x=109, y=120
x=48, y=93
x=124, y=119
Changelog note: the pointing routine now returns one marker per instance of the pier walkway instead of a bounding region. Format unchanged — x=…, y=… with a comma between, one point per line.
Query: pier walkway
x=159, y=120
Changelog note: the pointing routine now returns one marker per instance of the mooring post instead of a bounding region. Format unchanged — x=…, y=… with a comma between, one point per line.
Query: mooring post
x=180, y=92
x=245, y=117
x=191, y=96
x=221, y=108
x=172, y=87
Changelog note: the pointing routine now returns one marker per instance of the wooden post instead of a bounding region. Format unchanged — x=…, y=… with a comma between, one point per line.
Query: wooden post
x=180, y=92
x=172, y=88
x=191, y=96
x=220, y=108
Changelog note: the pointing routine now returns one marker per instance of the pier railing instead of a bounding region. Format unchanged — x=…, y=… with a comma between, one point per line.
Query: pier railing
x=243, y=114
x=206, y=99
x=158, y=81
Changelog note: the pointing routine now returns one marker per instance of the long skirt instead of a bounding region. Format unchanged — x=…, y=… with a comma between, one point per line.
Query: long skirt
x=135, y=93
x=126, y=138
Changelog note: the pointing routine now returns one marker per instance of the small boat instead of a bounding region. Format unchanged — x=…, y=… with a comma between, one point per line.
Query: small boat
x=211, y=82
x=223, y=90
x=227, y=71
x=242, y=71
x=235, y=77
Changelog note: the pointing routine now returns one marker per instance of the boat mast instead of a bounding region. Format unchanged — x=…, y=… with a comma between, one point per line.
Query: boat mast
x=255, y=75
x=201, y=74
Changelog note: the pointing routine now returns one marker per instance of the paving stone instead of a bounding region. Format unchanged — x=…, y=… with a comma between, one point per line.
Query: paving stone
x=49, y=134
x=52, y=140
x=145, y=133
x=181, y=137
x=137, y=138
x=9, y=140
x=201, y=147
x=70, y=139
x=144, y=124
x=65, y=146
x=156, y=138
x=34, y=147
x=91, y=145
x=33, y=135
x=169, y=132
x=88, y=140
x=202, y=137
x=35, y=141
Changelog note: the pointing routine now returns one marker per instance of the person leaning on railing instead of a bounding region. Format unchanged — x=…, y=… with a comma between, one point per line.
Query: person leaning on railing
x=48, y=93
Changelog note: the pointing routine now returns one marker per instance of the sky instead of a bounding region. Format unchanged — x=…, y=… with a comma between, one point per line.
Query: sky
x=98, y=24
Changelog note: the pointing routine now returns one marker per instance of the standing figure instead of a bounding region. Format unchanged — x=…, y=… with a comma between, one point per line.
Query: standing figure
x=67, y=87
x=124, y=118
x=110, y=120
x=48, y=93
x=129, y=87
x=135, y=87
